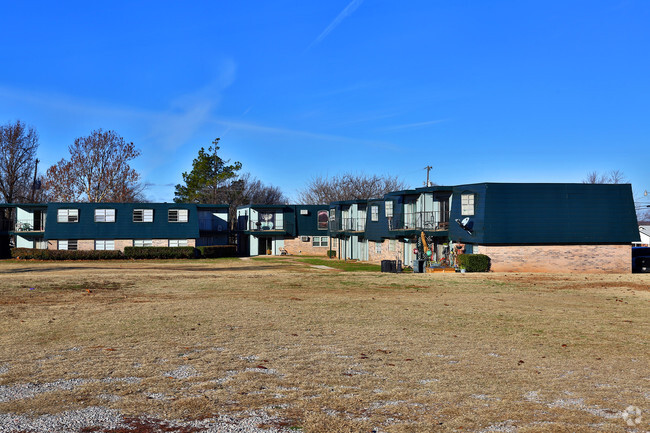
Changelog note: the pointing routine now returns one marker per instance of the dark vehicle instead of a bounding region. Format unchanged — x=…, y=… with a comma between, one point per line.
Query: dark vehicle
x=641, y=259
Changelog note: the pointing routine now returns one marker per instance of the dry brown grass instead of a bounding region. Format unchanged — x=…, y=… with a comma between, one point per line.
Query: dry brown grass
x=328, y=350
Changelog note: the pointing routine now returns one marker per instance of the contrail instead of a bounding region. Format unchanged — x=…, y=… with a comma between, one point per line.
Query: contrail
x=351, y=7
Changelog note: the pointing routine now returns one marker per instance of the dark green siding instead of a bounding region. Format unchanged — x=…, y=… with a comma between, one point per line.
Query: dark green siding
x=547, y=214
x=123, y=227
x=307, y=225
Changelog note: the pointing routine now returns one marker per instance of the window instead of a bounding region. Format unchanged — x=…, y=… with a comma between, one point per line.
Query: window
x=177, y=215
x=335, y=243
x=467, y=204
x=323, y=218
x=377, y=247
x=178, y=242
x=104, y=245
x=319, y=241
x=67, y=216
x=70, y=245
x=374, y=213
x=142, y=243
x=389, y=209
x=104, y=215
x=391, y=244
x=142, y=215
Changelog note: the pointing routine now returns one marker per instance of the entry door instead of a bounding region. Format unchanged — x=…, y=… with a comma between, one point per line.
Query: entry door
x=265, y=244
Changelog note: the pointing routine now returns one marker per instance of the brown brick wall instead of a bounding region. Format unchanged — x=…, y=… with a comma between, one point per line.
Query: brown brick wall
x=89, y=244
x=375, y=257
x=295, y=247
x=559, y=258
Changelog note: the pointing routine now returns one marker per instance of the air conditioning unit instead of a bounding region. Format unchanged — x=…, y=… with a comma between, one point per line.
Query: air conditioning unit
x=304, y=238
x=304, y=212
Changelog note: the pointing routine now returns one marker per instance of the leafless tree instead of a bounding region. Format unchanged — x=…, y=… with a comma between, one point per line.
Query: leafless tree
x=348, y=186
x=18, y=145
x=255, y=192
x=614, y=176
x=98, y=171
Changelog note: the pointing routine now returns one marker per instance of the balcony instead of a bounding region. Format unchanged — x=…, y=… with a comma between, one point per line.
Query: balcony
x=348, y=225
x=423, y=221
x=266, y=226
x=28, y=226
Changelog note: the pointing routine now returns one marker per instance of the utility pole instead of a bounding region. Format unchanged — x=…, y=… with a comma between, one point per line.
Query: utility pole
x=34, y=186
x=428, y=168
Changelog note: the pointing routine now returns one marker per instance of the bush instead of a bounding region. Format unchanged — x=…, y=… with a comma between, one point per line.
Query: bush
x=216, y=251
x=331, y=254
x=474, y=262
x=160, y=253
x=30, y=253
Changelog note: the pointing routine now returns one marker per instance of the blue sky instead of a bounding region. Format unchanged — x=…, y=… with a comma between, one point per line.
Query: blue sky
x=500, y=91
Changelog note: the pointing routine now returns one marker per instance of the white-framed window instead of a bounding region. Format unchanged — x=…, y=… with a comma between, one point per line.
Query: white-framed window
x=467, y=204
x=319, y=241
x=142, y=242
x=104, y=215
x=332, y=214
x=178, y=242
x=374, y=213
x=177, y=215
x=102, y=245
x=389, y=208
x=70, y=245
x=392, y=243
x=67, y=216
x=377, y=247
x=335, y=243
x=142, y=215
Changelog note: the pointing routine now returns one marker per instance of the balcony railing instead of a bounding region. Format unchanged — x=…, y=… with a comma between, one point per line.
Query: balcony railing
x=348, y=225
x=29, y=226
x=265, y=226
x=429, y=220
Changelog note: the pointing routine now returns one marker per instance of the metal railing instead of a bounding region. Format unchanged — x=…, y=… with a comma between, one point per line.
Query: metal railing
x=29, y=226
x=427, y=220
x=347, y=224
x=265, y=226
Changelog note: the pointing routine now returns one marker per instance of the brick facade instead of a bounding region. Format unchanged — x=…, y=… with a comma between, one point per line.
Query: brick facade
x=385, y=254
x=89, y=244
x=296, y=247
x=559, y=258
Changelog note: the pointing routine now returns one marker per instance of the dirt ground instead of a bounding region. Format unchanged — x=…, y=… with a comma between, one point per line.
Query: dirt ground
x=325, y=350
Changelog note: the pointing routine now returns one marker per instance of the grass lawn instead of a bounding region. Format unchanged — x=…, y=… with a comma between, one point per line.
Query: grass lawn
x=327, y=351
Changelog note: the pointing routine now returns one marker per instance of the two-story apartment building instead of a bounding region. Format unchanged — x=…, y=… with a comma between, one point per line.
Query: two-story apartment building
x=282, y=229
x=113, y=226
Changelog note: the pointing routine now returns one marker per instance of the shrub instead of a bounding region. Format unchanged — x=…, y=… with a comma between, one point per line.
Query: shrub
x=160, y=252
x=331, y=254
x=29, y=253
x=216, y=251
x=474, y=262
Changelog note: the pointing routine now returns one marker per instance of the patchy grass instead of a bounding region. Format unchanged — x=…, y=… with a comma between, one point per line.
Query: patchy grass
x=327, y=351
x=348, y=266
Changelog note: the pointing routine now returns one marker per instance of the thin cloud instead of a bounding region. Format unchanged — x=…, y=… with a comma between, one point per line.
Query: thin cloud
x=349, y=9
x=414, y=125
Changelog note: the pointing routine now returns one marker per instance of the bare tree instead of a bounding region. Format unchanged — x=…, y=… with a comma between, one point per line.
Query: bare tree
x=255, y=192
x=18, y=145
x=614, y=176
x=348, y=186
x=98, y=171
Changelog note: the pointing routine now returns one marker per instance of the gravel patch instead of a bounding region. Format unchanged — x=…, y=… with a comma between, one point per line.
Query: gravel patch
x=99, y=418
x=130, y=379
x=182, y=372
x=29, y=390
x=4, y=368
